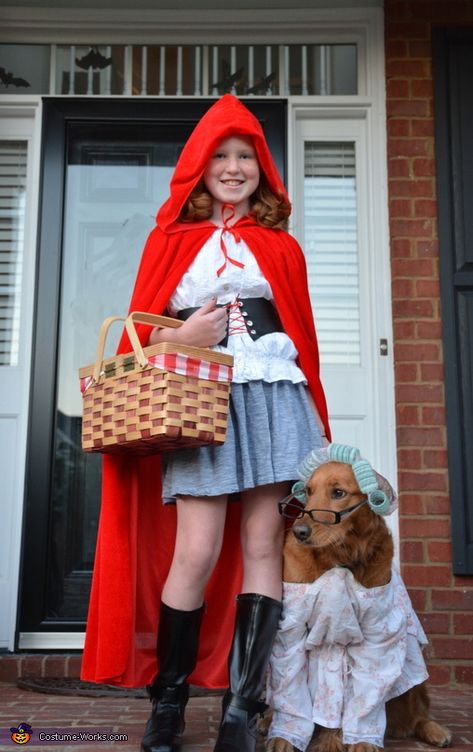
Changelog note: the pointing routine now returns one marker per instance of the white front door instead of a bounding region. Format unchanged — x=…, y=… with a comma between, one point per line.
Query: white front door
x=338, y=219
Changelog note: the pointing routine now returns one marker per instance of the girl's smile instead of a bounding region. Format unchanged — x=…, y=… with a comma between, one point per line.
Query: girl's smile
x=232, y=176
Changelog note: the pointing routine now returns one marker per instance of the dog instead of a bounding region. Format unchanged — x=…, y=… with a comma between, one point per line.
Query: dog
x=355, y=551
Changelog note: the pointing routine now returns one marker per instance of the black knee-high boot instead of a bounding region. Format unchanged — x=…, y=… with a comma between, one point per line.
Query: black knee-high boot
x=178, y=640
x=256, y=624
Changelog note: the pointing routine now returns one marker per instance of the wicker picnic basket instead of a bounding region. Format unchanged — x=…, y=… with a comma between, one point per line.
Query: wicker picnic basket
x=154, y=399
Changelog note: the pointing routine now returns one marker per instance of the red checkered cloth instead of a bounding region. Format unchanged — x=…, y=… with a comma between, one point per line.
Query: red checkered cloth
x=184, y=365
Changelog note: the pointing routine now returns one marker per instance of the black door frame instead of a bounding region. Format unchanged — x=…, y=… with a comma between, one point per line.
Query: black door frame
x=453, y=72
x=58, y=115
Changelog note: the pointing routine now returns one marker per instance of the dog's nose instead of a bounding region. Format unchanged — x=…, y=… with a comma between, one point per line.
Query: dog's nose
x=302, y=531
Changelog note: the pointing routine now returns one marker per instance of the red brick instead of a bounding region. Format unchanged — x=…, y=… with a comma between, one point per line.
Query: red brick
x=409, y=458
x=421, y=393
x=10, y=667
x=452, y=648
x=424, y=168
x=418, y=352
x=412, y=551
x=411, y=527
x=411, y=504
x=406, y=372
x=452, y=600
x=427, y=248
x=408, y=308
x=435, y=623
x=408, y=415
x=413, y=268
x=439, y=675
x=33, y=665
x=425, y=208
x=420, y=49
x=422, y=127
x=435, y=458
x=398, y=128
x=396, y=48
x=464, y=674
x=403, y=288
x=438, y=504
x=423, y=481
x=397, y=88
x=401, y=207
x=55, y=665
x=405, y=330
x=463, y=624
x=416, y=574
x=401, y=247
x=417, y=108
x=409, y=147
x=427, y=329
x=411, y=228
x=435, y=416
x=422, y=87
x=431, y=372
x=439, y=551
x=419, y=437
x=410, y=68
x=409, y=29
x=399, y=167
x=73, y=666
x=415, y=188
x=418, y=598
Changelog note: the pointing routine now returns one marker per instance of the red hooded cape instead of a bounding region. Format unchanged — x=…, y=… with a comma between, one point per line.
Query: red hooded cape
x=136, y=531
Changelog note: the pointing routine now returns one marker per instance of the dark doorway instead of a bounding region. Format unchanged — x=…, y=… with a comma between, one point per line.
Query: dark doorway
x=106, y=169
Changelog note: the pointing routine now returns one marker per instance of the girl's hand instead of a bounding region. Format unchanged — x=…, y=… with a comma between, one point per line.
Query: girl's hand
x=204, y=328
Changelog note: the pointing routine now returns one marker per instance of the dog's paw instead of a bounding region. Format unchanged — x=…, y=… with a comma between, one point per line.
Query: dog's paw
x=363, y=747
x=326, y=740
x=433, y=733
x=278, y=745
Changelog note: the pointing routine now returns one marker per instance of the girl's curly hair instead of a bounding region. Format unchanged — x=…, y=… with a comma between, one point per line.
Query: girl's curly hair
x=268, y=209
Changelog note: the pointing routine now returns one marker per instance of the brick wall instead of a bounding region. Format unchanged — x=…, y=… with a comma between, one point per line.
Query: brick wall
x=444, y=602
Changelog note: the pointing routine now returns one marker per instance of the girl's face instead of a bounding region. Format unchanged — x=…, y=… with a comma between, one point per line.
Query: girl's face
x=232, y=173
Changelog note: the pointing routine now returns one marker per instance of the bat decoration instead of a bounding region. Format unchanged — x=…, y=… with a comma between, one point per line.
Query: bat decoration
x=262, y=85
x=7, y=78
x=229, y=80
x=94, y=59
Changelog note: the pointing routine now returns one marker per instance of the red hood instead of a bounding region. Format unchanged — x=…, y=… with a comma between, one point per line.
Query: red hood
x=227, y=117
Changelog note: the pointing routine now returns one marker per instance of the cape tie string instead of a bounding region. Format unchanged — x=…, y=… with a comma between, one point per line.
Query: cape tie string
x=235, y=234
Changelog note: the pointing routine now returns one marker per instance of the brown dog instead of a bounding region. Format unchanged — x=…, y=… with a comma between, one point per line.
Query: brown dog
x=362, y=543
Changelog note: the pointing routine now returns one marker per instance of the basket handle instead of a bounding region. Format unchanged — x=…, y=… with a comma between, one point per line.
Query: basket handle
x=146, y=318
x=136, y=316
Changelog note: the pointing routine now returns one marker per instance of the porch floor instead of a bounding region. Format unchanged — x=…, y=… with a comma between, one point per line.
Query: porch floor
x=451, y=707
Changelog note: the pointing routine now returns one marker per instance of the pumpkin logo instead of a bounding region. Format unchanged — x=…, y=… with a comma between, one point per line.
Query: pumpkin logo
x=21, y=734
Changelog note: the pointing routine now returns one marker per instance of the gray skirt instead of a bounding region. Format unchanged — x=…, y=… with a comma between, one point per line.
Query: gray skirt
x=271, y=429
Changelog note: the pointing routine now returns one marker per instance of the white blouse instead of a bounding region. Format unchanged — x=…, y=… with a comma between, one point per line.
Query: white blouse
x=269, y=358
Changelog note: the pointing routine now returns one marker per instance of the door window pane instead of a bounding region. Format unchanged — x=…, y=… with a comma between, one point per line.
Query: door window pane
x=331, y=245
x=13, y=160
x=116, y=178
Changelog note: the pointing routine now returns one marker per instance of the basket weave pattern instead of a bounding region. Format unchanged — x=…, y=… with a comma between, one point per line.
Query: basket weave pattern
x=135, y=412
x=155, y=399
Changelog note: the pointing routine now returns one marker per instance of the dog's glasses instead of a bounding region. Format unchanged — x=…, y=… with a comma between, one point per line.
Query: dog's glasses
x=294, y=511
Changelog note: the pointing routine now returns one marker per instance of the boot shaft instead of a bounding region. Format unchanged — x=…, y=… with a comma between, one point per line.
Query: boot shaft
x=256, y=624
x=177, y=644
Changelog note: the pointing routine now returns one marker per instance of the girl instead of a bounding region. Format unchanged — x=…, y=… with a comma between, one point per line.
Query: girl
x=221, y=260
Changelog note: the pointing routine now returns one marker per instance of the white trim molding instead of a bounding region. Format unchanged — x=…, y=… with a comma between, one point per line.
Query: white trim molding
x=99, y=26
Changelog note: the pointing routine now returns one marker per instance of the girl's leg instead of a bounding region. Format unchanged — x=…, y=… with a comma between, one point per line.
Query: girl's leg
x=199, y=536
x=257, y=617
x=262, y=533
x=200, y=524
